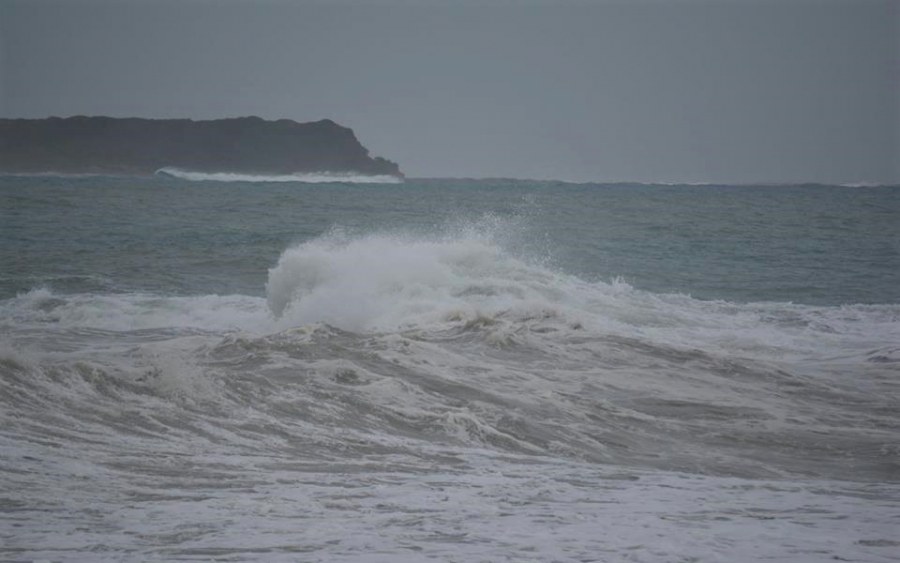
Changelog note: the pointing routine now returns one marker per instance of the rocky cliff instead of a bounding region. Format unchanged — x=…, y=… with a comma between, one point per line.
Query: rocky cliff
x=105, y=145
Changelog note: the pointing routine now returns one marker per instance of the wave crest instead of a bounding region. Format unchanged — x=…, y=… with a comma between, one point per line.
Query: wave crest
x=384, y=282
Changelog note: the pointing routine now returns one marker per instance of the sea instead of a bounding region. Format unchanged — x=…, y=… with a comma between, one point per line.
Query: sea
x=221, y=367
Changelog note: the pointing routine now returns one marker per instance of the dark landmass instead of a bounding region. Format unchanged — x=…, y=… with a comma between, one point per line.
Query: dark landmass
x=249, y=145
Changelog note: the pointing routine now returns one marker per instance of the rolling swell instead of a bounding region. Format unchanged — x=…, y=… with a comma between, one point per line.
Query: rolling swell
x=410, y=348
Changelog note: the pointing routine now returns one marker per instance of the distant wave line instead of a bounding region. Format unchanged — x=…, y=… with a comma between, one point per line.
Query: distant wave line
x=304, y=177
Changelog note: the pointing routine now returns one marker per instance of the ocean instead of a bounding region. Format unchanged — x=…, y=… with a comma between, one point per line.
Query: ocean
x=232, y=368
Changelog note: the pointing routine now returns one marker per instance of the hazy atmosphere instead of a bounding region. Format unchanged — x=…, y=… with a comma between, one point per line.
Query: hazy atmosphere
x=448, y=281
x=732, y=91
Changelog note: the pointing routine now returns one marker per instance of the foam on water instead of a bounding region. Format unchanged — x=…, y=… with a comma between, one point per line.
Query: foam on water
x=129, y=312
x=303, y=177
x=467, y=277
x=383, y=282
x=454, y=338
x=400, y=396
x=386, y=282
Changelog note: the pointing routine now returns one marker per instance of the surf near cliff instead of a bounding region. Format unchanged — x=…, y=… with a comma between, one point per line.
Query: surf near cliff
x=133, y=146
x=306, y=178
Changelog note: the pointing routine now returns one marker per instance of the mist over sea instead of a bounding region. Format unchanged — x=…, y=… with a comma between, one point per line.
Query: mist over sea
x=235, y=368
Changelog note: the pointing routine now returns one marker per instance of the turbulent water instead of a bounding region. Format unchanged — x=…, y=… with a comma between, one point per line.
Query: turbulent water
x=447, y=370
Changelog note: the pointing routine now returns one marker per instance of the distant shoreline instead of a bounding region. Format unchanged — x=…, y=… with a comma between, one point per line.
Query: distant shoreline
x=142, y=147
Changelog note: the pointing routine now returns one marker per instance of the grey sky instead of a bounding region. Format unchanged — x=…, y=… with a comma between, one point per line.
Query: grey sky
x=728, y=91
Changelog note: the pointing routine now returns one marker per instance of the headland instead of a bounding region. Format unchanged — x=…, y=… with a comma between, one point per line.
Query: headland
x=137, y=146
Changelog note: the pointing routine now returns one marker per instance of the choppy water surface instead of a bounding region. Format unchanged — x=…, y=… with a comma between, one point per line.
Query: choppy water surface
x=450, y=370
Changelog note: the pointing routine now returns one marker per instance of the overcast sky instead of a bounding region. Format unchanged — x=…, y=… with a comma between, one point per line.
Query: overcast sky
x=725, y=91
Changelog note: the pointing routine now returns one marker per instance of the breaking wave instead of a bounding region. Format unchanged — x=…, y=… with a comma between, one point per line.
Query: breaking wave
x=218, y=379
x=397, y=343
x=304, y=177
x=385, y=283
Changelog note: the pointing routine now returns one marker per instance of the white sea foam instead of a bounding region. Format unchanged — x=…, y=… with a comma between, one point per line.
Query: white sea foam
x=390, y=282
x=135, y=311
x=467, y=279
x=303, y=177
x=399, y=397
x=514, y=402
x=384, y=282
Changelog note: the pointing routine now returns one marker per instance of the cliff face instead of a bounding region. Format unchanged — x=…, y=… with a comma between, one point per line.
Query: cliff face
x=142, y=146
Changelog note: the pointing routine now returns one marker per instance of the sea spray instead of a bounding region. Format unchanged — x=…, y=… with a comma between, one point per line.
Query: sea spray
x=387, y=282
